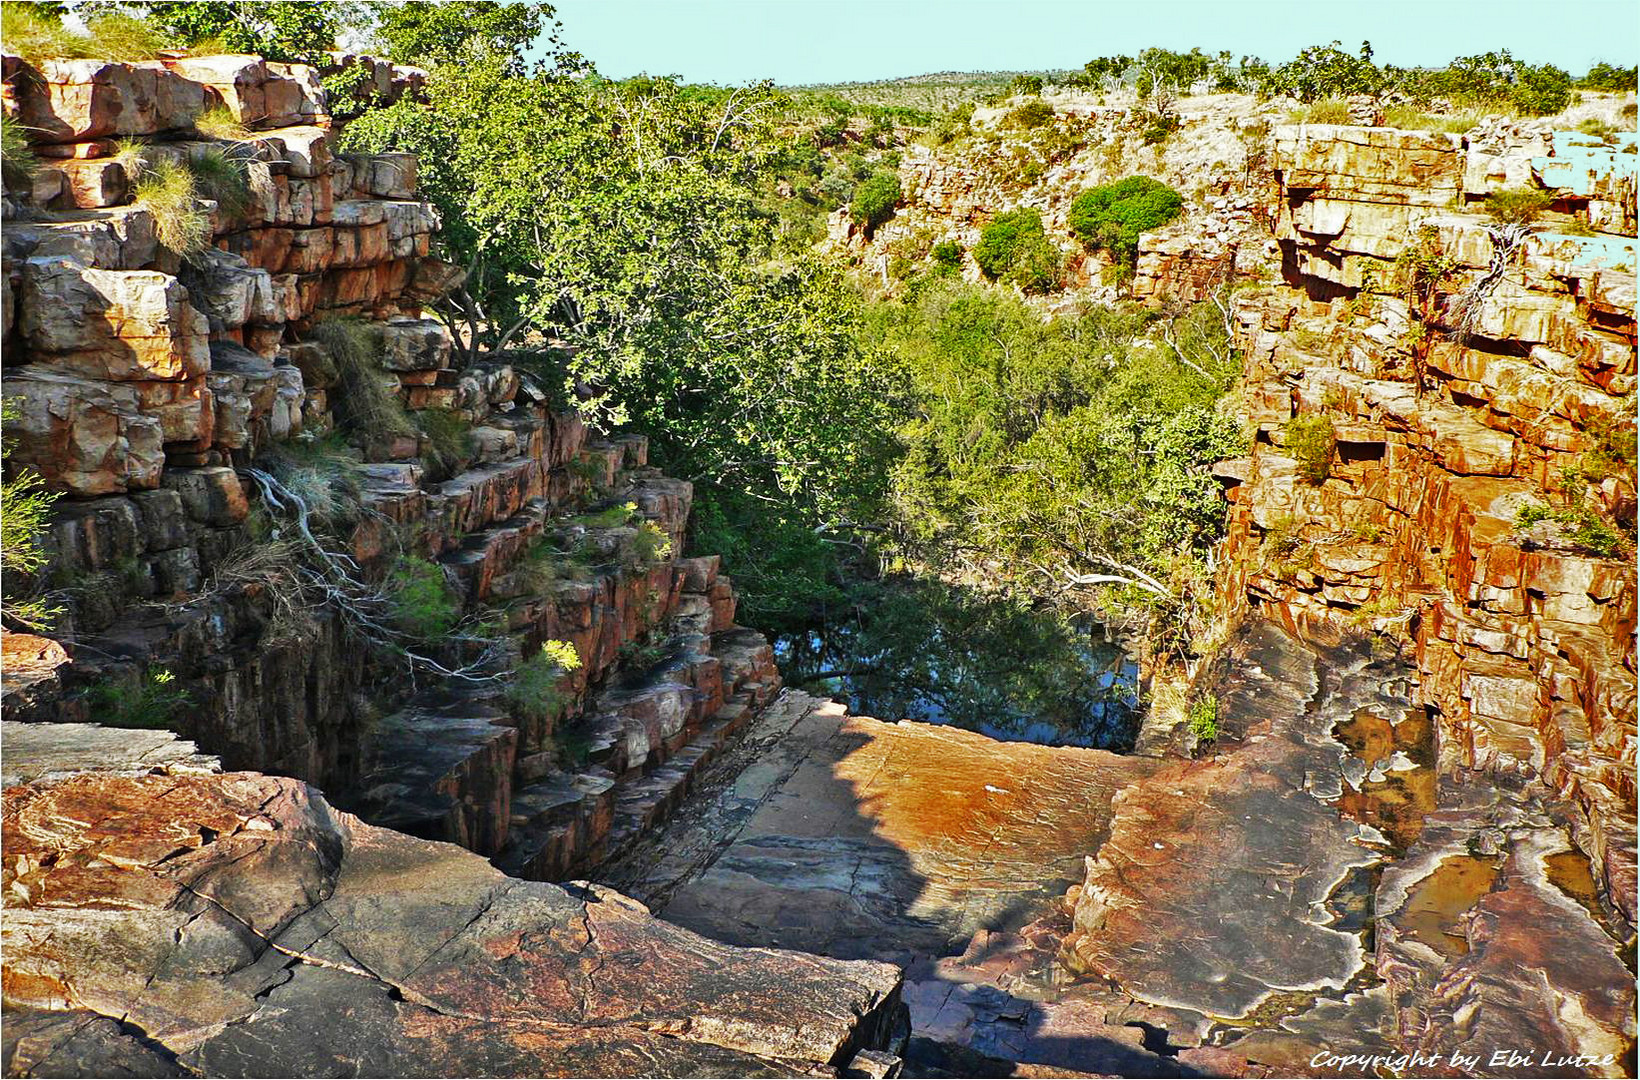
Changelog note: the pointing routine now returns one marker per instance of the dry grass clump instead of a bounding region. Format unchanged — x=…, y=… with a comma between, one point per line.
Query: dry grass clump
x=219, y=122
x=18, y=162
x=222, y=177
x=36, y=36
x=369, y=401
x=167, y=190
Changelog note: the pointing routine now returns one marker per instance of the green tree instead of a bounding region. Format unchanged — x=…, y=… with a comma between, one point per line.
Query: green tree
x=277, y=31
x=1113, y=216
x=1014, y=248
x=1610, y=78
x=1325, y=71
x=428, y=34
x=875, y=199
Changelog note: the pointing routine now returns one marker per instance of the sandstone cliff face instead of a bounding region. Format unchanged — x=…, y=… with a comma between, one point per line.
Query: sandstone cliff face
x=1470, y=785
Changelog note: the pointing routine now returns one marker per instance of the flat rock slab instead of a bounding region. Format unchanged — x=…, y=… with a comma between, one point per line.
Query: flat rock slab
x=37, y=751
x=242, y=927
x=1213, y=891
x=852, y=837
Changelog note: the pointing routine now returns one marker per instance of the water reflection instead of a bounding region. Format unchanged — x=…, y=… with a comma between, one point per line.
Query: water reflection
x=930, y=652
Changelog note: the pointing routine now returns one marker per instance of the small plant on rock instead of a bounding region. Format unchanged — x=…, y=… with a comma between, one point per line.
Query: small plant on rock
x=153, y=703
x=422, y=605
x=1113, y=216
x=1311, y=441
x=168, y=192
x=875, y=199
x=1204, y=719
x=219, y=122
x=448, y=437
x=18, y=162
x=222, y=178
x=1517, y=206
x=647, y=547
x=369, y=401
x=536, y=692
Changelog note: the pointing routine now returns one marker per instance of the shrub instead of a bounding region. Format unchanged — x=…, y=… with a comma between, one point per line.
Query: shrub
x=947, y=255
x=18, y=163
x=369, y=400
x=132, y=156
x=875, y=199
x=1114, y=215
x=1517, y=206
x=646, y=547
x=1612, y=79
x=168, y=192
x=153, y=703
x=535, y=692
x=1032, y=114
x=1030, y=85
x=1577, y=525
x=1204, y=718
x=1325, y=111
x=1014, y=248
x=219, y=122
x=609, y=518
x=1310, y=440
x=419, y=599
x=25, y=510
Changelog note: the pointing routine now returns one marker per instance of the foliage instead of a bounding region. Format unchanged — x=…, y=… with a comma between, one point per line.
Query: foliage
x=1032, y=114
x=369, y=401
x=536, y=690
x=153, y=703
x=219, y=122
x=167, y=191
x=18, y=163
x=1114, y=215
x=132, y=156
x=323, y=472
x=875, y=199
x=1014, y=248
x=1497, y=77
x=420, y=601
x=947, y=256
x=1610, y=78
x=286, y=32
x=35, y=32
x=1577, y=525
x=429, y=34
x=1204, y=718
x=1311, y=441
x=610, y=518
x=1029, y=85
x=1518, y=206
x=648, y=546
x=25, y=511
x=449, y=439
x=222, y=177
x=1047, y=450
x=1325, y=71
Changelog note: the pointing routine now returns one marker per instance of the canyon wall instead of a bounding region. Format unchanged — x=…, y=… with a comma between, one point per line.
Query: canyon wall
x=196, y=410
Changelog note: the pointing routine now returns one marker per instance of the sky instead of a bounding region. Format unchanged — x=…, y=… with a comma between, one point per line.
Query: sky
x=808, y=41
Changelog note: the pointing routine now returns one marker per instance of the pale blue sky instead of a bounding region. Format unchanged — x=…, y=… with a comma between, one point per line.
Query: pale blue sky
x=805, y=41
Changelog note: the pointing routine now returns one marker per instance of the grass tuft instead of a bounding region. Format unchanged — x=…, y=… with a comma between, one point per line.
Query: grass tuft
x=18, y=163
x=167, y=191
x=368, y=401
x=222, y=178
x=219, y=122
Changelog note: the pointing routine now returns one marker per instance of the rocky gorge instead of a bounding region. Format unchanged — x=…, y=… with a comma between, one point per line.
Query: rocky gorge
x=1414, y=835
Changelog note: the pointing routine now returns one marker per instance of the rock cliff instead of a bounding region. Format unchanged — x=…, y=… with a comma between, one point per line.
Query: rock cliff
x=152, y=384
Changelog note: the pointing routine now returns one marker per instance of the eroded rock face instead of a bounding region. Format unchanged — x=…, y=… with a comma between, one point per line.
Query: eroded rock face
x=852, y=837
x=259, y=932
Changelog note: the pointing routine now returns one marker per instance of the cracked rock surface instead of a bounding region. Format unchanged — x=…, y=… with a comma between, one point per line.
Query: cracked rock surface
x=237, y=925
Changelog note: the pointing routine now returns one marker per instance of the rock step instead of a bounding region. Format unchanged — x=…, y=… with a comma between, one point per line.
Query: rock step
x=441, y=768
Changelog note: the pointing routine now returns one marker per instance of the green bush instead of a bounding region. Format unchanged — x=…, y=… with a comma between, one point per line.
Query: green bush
x=1577, y=525
x=25, y=510
x=421, y=603
x=947, y=255
x=1612, y=79
x=18, y=162
x=1310, y=440
x=536, y=692
x=875, y=199
x=646, y=547
x=1114, y=215
x=153, y=703
x=1517, y=206
x=1204, y=718
x=1014, y=248
x=1032, y=114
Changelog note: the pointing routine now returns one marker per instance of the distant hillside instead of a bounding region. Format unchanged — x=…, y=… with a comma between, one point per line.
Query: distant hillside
x=933, y=93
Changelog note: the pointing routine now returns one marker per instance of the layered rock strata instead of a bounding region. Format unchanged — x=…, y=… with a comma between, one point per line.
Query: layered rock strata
x=183, y=923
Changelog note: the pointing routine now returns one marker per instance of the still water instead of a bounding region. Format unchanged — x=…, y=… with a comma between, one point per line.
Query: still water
x=1028, y=676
